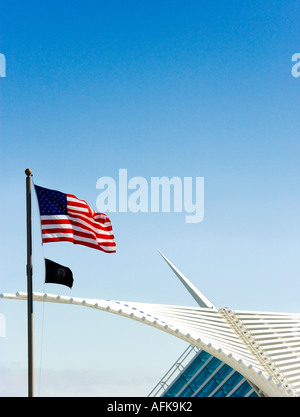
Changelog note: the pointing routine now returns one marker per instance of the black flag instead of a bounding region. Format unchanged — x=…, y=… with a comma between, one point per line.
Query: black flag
x=58, y=274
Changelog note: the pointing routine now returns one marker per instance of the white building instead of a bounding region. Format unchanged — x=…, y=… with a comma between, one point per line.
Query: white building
x=230, y=353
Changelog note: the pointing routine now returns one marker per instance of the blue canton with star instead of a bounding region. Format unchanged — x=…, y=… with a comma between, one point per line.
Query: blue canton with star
x=51, y=202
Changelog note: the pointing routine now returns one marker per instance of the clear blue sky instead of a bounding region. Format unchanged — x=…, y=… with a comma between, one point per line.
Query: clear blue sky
x=173, y=88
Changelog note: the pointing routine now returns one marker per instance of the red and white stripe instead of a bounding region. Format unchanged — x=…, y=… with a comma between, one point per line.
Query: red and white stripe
x=81, y=226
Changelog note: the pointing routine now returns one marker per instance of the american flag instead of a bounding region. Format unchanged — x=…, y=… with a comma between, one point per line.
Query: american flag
x=65, y=218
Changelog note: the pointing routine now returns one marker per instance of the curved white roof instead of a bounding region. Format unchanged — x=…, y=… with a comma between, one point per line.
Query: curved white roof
x=262, y=346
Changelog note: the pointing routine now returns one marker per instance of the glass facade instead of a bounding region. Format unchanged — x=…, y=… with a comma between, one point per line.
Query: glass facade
x=207, y=376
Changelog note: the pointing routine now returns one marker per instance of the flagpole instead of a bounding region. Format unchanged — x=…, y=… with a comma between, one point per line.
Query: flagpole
x=29, y=283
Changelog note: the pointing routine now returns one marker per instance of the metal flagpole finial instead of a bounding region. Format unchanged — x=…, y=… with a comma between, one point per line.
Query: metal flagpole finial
x=28, y=172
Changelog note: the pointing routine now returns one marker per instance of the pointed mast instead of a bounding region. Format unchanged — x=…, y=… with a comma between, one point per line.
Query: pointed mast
x=195, y=293
x=29, y=283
